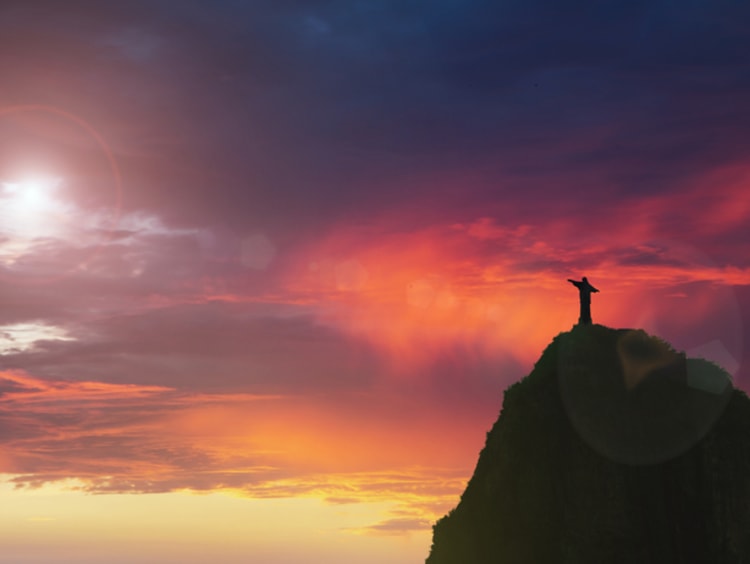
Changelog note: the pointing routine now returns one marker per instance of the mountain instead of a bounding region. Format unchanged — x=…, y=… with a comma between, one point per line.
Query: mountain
x=614, y=449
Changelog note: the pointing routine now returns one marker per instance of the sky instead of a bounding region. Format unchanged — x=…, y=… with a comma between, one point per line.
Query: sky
x=267, y=267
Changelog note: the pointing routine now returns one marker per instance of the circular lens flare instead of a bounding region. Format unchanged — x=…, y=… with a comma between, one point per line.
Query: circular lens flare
x=33, y=209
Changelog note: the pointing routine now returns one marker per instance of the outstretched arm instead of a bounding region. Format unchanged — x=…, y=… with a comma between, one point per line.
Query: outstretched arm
x=594, y=289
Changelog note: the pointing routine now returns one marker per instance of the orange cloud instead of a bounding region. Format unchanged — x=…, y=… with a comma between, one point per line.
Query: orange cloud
x=499, y=288
x=416, y=292
x=23, y=389
x=129, y=438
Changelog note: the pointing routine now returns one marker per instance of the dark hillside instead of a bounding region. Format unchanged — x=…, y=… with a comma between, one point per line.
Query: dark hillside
x=616, y=449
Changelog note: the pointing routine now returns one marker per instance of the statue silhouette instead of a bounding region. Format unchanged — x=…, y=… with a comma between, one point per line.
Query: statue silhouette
x=584, y=293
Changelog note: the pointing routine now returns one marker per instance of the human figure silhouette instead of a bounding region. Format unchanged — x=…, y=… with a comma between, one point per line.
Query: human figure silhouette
x=584, y=293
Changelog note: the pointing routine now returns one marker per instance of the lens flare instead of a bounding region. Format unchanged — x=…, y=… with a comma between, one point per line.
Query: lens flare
x=35, y=212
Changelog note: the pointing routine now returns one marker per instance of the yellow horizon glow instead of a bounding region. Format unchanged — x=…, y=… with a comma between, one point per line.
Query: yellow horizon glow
x=57, y=523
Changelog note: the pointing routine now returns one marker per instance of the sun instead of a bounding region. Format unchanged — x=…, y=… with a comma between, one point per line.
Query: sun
x=31, y=195
x=30, y=209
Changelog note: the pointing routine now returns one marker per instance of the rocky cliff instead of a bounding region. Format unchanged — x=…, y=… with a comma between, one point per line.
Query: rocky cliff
x=615, y=449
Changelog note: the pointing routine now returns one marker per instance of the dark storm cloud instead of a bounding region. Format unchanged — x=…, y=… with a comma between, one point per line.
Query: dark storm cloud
x=290, y=114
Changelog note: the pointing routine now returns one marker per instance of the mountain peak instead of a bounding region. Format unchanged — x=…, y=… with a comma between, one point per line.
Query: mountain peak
x=615, y=448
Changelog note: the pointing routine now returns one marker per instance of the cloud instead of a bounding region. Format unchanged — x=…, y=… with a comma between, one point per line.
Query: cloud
x=30, y=390
x=397, y=526
x=25, y=336
x=498, y=283
x=115, y=438
x=103, y=433
x=616, y=98
x=205, y=346
x=345, y=227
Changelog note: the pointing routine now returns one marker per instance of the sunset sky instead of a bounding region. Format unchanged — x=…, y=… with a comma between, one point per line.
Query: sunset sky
x=267, y=267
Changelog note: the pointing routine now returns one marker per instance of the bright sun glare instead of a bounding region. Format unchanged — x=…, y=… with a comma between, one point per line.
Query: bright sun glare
x=31, y=195
x=29, y=209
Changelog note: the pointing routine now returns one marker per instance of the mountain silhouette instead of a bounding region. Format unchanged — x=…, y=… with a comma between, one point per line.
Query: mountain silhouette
x=615, y=449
